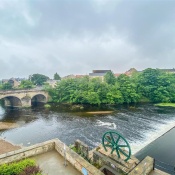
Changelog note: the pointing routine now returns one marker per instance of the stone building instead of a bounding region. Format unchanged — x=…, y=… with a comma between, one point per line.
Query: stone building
x=98, y=74
x=15, y=82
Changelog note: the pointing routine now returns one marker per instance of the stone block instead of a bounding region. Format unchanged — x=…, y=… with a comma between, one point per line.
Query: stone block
x=144, y=167
x=82, y=148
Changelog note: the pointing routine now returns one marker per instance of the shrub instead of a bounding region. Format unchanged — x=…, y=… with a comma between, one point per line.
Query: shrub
x=31, y=170
x=16, y=168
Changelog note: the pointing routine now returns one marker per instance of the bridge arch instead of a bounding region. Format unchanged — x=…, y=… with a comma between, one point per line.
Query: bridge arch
x=12, y=101
x=39, y=98
x=23, y=97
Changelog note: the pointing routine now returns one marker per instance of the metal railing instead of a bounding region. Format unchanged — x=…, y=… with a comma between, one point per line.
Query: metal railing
x=164, y=167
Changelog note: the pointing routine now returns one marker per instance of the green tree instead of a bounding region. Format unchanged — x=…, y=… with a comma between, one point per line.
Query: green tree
x=6, y=86
x=26, y=84
x=93, y=98
x=150, y=85
x=110, y=78
x=38, y=79
x=153, y=84
x=128, y=89
x=64, y=90
x=103, y=89
x=57, y=77
x=79, y=97
x=114, y=96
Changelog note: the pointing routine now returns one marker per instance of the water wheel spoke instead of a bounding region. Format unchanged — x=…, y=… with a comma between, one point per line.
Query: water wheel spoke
x=117, y=140
x=118, y=153
x=112, y=150
x=112, y=138
x=107, y=145
x=108, y=140
x=123, y=152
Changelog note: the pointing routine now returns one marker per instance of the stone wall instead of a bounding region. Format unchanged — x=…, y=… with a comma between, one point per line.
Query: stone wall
x=26, y=152
x=144, y=167
x=76, y=160
x=101, y=160
x=82, y=149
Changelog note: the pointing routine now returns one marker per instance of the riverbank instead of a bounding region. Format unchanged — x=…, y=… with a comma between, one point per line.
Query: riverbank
x=7, y=125
x=7, y=146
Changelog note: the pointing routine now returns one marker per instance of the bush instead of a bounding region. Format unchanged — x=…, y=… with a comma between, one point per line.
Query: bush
x=17, y=168
x=47, y=106
x=31, y=170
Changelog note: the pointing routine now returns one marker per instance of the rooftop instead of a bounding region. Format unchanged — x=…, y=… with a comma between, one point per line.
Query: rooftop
x=101, y=71
x=97, y=74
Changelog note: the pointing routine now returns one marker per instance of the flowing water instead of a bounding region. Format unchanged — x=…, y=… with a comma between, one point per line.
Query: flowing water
x=139, y=124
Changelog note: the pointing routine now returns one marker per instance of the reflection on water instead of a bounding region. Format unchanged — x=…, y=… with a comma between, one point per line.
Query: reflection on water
x=139, y=125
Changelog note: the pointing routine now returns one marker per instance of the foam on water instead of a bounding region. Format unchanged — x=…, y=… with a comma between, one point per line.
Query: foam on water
x=106, y=124
x=149, y=136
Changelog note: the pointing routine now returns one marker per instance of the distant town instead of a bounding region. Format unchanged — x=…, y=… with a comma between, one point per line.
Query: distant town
x=15, y=82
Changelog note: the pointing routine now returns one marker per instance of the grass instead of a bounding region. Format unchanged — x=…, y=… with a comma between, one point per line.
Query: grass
x=47, y=106
x=166, y=104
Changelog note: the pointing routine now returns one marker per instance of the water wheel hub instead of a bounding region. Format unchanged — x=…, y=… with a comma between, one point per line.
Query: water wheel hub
x=116, y=142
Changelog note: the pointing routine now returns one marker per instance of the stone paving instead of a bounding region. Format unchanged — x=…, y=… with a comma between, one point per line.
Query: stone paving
x=52, y=163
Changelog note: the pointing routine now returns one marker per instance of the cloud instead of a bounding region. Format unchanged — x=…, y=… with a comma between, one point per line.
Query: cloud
x=74, y=37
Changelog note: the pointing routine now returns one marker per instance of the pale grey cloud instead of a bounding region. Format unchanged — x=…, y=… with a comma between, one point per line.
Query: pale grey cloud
x=76, y=36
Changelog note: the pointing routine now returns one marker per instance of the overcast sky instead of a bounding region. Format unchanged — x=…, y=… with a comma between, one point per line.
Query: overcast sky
x=77, y=36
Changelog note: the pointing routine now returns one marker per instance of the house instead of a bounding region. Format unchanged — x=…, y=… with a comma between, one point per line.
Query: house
x=68, y=77
x=15, y=82
x=168, y=70
x=73, y=76
x=52, y=82
x=117, y=74
x=128, y=73
x=79, y=76
x=98, y=74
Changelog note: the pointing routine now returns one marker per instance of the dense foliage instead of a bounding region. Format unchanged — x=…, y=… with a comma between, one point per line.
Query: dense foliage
x=38, y=79
x=150, y=85
x=26, y=84
x=5, y=86
x=24, y=167
x=56, y=77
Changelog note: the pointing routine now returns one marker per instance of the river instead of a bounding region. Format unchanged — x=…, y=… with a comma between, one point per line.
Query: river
x=139, y=124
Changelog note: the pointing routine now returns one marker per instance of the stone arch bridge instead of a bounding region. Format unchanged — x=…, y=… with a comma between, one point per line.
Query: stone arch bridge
x=23, y=98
